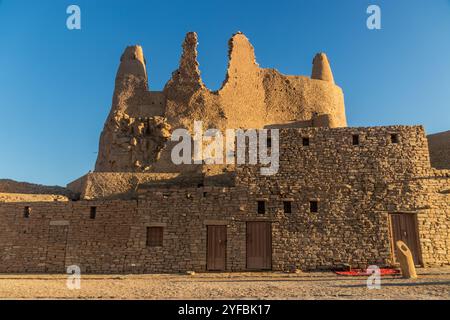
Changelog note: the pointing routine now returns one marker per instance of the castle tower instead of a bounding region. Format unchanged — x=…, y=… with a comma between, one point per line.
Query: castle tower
x=131, y=81
x=321, y=68
x=132, y=62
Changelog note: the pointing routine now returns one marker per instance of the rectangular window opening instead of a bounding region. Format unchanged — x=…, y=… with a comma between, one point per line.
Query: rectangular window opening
x=305, y=141
x=26, y=212
x=394, y=138
x=313, y=206
x=261, y=207
x=287, y=206
x=356, y=139
x=155, y=236
x=93, y=213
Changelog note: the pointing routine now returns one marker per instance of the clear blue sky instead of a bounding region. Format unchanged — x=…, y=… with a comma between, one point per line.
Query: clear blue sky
x=56, y=85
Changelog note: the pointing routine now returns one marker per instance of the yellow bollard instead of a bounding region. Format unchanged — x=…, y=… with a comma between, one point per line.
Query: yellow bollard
x=406, y=260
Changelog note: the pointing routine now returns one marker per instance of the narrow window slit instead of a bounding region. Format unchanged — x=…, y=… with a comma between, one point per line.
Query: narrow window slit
x=394, y=138
x=26, y=212
x=356, y=139
x=261, y=207
x=287, y=205
x=305, y=141
x=313, y=206
x=93, y=213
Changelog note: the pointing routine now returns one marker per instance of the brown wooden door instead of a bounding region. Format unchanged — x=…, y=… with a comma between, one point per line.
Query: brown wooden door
x=259, y=245
x=217, y=248
x=404, y=228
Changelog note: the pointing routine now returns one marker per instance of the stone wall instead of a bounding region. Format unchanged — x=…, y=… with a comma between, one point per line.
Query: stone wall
x=59, y=234
x=433, y=198
x=439, y=144
x=356, y=187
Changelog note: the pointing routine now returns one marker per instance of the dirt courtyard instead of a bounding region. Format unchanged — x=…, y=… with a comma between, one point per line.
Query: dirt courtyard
x=432, y=284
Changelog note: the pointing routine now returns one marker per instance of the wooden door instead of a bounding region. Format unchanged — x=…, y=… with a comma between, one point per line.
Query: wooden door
x=259, y=245
x=56, y=248
x=217, y=248
x=404, y=228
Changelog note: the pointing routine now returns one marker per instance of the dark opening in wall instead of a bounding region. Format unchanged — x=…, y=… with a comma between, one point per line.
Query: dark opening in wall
x=287, y=206
x=261, y=207
x=305, y=141
x=26, y=212
x=314, y=206
x=155, y=236
x=93, y=213
x=356, y=139
x=394, y=138
x=269, y=142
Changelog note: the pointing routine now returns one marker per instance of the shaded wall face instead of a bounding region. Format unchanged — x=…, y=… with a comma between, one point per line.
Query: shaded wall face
x=60, y=234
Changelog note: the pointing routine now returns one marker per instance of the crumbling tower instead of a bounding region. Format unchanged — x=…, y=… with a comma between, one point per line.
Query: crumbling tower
x=321, y=68
x=136, y=134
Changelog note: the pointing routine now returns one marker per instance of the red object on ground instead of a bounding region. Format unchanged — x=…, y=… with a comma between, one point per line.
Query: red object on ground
x=361, y=272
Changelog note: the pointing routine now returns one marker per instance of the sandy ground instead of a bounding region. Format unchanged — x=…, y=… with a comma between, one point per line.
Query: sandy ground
x=432, y=284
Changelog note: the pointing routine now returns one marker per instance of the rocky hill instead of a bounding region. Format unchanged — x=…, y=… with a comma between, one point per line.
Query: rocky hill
x=11, y=186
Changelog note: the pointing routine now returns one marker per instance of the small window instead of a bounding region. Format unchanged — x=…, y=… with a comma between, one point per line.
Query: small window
x=155, y=236
x=394, y=138
x=93, y=213
x=269, y=142
x=26, y=212
x=313, y=206
x=287, y=206
x=305, y=141
x=261, y=207
x=356, y=139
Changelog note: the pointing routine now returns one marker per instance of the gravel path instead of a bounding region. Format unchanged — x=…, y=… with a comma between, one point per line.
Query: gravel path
x=432, y=284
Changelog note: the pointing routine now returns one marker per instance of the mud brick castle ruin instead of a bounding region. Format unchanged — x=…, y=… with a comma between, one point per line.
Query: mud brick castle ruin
x=341, y=196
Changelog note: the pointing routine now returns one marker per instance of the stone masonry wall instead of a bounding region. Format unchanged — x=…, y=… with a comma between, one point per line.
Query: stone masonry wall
x=439, y=144
x=356, y=186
